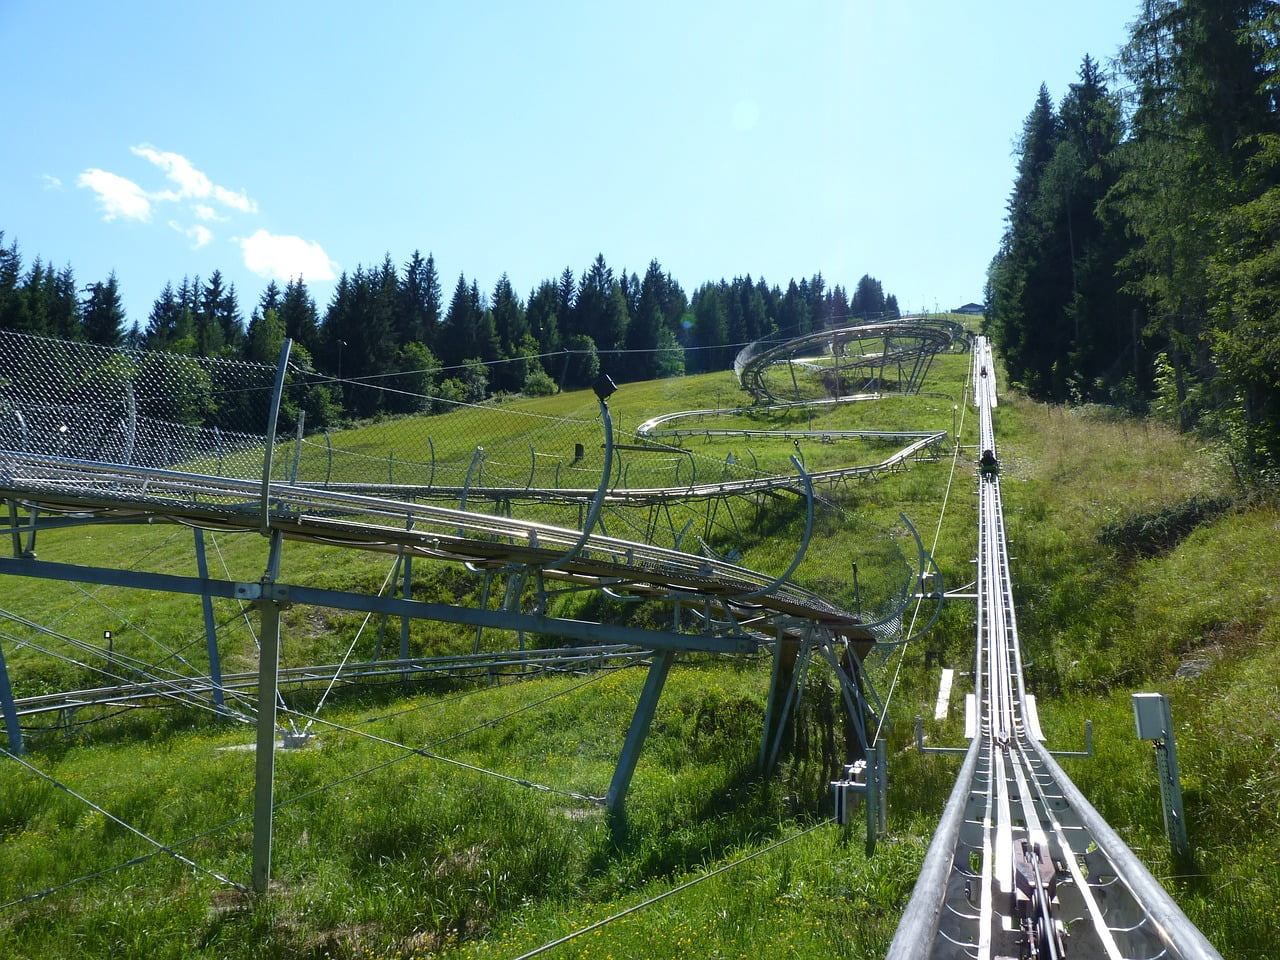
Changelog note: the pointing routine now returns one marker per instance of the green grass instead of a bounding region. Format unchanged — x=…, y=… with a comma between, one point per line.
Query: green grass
x=421, y=858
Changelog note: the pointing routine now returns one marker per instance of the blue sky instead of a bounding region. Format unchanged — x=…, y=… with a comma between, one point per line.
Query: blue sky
x=270, y=139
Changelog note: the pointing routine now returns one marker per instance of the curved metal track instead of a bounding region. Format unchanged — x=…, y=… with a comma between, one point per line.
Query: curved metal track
x=725, y=607
x=731, y=607
x=1022, y=865
x=905, y=346
x=84, y=490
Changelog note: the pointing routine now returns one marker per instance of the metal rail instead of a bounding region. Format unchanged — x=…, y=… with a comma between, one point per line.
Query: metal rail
x=1022, y=865
x=463, y=666
x=921, y=444
x=57, y=481
x=908, y=344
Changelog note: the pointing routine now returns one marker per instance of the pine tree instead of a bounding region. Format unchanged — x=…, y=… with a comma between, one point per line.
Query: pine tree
x=1020, y=303
x=793, y=313
x=541, y=316
x=12, y=303
x=838, y=306
x=643, y=331
x=566, y=298
x=592, y=304
x=458, y=340
x=65, y=313
x=710, y=329
x=868, y=302
x=1100, y=355
x=511, y=330
x=270, y=299
x=417, y=313
x=103, y=316
x=298, y=314
x=265, y=337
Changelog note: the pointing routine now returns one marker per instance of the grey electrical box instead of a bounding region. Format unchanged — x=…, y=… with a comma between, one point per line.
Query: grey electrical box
x=1151, y=711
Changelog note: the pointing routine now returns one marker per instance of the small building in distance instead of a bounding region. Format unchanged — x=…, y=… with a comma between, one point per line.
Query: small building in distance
x=971, y=309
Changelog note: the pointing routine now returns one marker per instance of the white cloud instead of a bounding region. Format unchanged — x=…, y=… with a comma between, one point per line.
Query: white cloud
x=285, y=257
x=198, y=235
x=117, y=196
x=207, y=213
x=51, y=182
x=236, y=199
x=192, y=183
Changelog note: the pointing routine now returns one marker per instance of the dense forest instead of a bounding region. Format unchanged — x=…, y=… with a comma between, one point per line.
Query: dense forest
x=390, y=328
x=1140, y=264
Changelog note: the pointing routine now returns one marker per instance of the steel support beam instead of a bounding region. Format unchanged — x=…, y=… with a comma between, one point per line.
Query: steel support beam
x=11, y=725
x=777, y=713
x=636, y=734
x=264, y=773
x=593, y=633
x=406, y=593
x=210, y=630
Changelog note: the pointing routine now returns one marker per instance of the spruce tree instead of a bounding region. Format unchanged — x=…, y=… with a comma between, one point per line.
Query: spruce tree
x=103, y=316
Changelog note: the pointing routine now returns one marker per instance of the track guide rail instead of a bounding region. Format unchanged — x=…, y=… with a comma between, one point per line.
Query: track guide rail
x=1022, y=866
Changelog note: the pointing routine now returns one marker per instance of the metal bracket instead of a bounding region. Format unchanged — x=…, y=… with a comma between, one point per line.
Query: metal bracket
x=921, y=748
x=253, y=591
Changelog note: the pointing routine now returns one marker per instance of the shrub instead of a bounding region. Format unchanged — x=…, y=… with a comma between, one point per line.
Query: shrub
x=1149, y=534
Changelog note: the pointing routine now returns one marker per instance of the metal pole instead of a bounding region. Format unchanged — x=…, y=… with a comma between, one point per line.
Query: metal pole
x=593, y=513
x=13, y=526
x=297, y=445
x=10, y=710
x=406, y=593
x=210, y=631
x=268, y=682
x=1155, y=722
x=636, y=734
x=776, y=713
x=281, y=369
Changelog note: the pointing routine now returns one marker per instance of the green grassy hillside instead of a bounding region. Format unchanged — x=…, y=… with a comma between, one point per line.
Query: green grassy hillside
x=383, y=852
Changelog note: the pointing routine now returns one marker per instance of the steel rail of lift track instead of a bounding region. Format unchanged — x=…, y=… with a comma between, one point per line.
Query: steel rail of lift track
x=463, y=666
x=1022, y=865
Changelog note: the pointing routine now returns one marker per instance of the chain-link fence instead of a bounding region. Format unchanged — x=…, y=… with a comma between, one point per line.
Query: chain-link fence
x=69, y=410
x=80, y=401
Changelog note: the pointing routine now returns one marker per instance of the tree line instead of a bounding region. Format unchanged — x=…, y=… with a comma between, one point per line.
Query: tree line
x=391, y=340
x=1140, y=264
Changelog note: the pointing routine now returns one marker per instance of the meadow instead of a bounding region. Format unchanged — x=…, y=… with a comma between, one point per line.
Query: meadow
x=486, y=846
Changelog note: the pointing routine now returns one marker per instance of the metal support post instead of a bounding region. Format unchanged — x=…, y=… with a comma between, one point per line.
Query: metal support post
x=268, y=685
x=210, y=630
x=1155, y=722
x=297, y=445
x=636, y=734
x=9, y=708
x=921, y=748
x=882, y=781
x=14, y=531
x=873, y=801
x=406, y=593
x=782, y=685
x=282, y=368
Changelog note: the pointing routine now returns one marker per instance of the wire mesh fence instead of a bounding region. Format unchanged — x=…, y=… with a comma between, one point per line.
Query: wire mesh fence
x=80, y=401
x=164, y=422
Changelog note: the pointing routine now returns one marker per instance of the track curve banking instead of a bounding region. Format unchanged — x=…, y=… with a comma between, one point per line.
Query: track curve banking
x=1022, y=865
x=58, y=484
